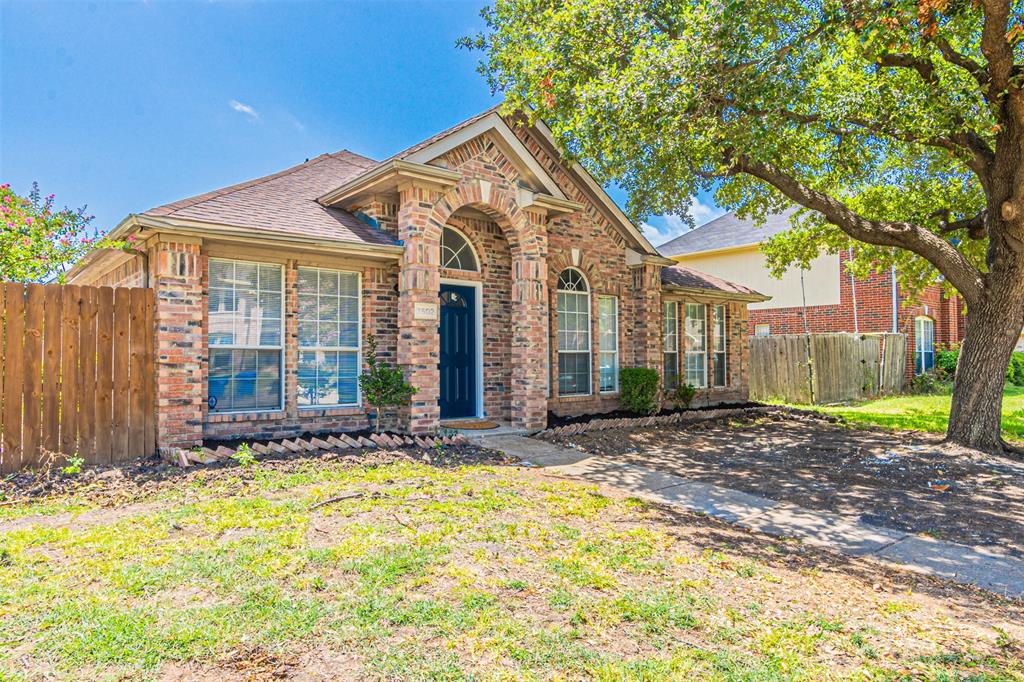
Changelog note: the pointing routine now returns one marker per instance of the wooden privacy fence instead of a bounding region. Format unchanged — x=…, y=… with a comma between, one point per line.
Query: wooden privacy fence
x=826, y=368
x=78, y=374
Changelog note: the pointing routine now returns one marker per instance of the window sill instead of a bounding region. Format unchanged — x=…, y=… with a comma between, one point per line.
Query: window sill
x=331, y=411
x=576, y=397
x=258, y=415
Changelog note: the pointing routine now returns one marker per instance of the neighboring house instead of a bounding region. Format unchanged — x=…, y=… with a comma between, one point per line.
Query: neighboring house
x=824, y=297
x=502, y=280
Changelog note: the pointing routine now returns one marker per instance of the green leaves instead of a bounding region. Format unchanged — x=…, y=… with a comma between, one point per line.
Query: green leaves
x=38, y=243
x=873, y=103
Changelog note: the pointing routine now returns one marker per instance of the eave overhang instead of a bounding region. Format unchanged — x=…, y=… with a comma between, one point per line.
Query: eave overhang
x=145, y=226
x=714, y=294
x=385, y=179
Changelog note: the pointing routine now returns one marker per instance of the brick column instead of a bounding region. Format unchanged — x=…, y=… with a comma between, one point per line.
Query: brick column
x=529, y=334
x=737, y=347
x=647, y=332
x=177, y=269
x=418, y=287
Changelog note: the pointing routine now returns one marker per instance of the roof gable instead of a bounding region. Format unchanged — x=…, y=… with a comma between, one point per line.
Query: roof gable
x=489, y=122
x=726, y=232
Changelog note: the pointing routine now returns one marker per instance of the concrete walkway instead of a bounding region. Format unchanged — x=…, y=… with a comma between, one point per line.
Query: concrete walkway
x=960, y=563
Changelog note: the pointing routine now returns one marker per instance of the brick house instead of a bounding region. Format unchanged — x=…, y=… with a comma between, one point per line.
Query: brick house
x=502, y=280
x=729, y=247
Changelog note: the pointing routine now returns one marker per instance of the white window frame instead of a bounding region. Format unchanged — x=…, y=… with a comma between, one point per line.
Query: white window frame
x=469, y=245
x=765, y=328
x=703, y=353
x=919, y=352
x=720, y=343
x=358, y=348
x=590, y=342
x=602, y=351
x=223, y=346
x=670, y=341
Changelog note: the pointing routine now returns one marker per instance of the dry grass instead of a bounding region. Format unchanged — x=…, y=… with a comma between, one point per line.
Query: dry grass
x=469, y=573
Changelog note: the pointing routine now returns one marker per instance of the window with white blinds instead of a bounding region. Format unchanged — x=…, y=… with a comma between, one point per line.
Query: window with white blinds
x=720, y=341
x=608, y=342
x=246, y=332
x=329, y=337
x=696, y=345
x=670, y=343
x=573, y=333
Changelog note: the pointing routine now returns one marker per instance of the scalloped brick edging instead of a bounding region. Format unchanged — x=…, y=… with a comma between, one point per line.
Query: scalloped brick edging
x=689, y=417
x=332, y=443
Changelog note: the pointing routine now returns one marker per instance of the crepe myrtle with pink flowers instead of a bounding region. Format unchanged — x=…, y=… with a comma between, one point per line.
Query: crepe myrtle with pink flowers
x=38, y=243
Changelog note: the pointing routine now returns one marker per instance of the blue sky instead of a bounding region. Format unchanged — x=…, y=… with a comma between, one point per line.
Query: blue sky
x=124, y=106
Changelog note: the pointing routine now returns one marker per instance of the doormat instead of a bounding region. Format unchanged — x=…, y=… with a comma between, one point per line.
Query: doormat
x=472, y=424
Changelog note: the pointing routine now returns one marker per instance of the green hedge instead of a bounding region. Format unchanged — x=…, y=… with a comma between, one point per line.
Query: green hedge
x=639, y=390
x=946, y=361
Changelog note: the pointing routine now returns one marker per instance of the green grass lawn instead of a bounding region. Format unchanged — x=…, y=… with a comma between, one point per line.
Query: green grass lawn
x=472, y=573
x=927, y=412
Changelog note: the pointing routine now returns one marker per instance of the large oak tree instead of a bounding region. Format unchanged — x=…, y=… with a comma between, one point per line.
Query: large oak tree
x=898, y=125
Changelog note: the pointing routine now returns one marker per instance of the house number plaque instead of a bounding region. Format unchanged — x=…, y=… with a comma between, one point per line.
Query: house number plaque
x=424, y=311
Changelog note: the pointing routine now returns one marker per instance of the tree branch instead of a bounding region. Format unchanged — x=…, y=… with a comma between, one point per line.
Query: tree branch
x=961, y=60
x=976, y=225
x=922, y=65
x=925, y=243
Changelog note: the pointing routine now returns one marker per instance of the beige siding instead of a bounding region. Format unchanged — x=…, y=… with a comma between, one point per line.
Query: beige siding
x=748, y=266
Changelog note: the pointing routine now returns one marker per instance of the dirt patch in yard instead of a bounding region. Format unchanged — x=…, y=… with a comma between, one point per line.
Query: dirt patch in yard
x=907, y=481
x=106, y=490
x=424, y=572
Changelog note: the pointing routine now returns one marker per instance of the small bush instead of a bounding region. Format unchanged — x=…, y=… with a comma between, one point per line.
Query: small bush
x=74, y=466
x=383, y=385
x=639, y=392
x=683, y=395
x=1015, y=372
x=244, y=455
x=928, y=383
x=946, y=360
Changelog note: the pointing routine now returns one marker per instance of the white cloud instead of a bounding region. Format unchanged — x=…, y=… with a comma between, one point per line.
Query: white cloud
x=673, y=225
x=243, y=109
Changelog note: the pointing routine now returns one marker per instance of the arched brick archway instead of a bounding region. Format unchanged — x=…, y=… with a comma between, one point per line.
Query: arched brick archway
x=423, y=213
x=497, y=203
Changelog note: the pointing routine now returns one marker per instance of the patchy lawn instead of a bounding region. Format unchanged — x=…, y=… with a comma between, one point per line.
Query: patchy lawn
x=476, y=572
x=907, y=481
x=926, y=412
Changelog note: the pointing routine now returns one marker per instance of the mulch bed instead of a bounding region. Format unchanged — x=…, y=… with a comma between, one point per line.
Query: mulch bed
x=129, y=481
x=908, y=481
x=555, y=421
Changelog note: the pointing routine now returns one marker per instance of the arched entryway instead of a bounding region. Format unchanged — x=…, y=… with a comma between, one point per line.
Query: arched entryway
x=423, y=217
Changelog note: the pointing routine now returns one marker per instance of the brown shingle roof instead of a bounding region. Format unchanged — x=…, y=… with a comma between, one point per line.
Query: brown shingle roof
x=286, y=202
x=682, y=276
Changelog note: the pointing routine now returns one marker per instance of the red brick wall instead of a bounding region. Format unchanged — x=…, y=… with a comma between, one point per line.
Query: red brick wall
x=873, y=311
x=379, y=300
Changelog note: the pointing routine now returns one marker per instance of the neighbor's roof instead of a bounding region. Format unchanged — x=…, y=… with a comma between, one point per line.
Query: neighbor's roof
x=286, y=202
x=687, y=278
x=727, y=231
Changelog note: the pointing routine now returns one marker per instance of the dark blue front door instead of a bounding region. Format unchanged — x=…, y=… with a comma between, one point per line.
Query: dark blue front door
x=458, y=351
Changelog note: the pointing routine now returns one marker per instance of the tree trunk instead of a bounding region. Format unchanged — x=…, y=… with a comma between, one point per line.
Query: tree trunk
x=993, y=327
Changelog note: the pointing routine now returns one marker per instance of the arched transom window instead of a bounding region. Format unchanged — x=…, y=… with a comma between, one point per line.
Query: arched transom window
x=573, y=333
x=456, y=251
